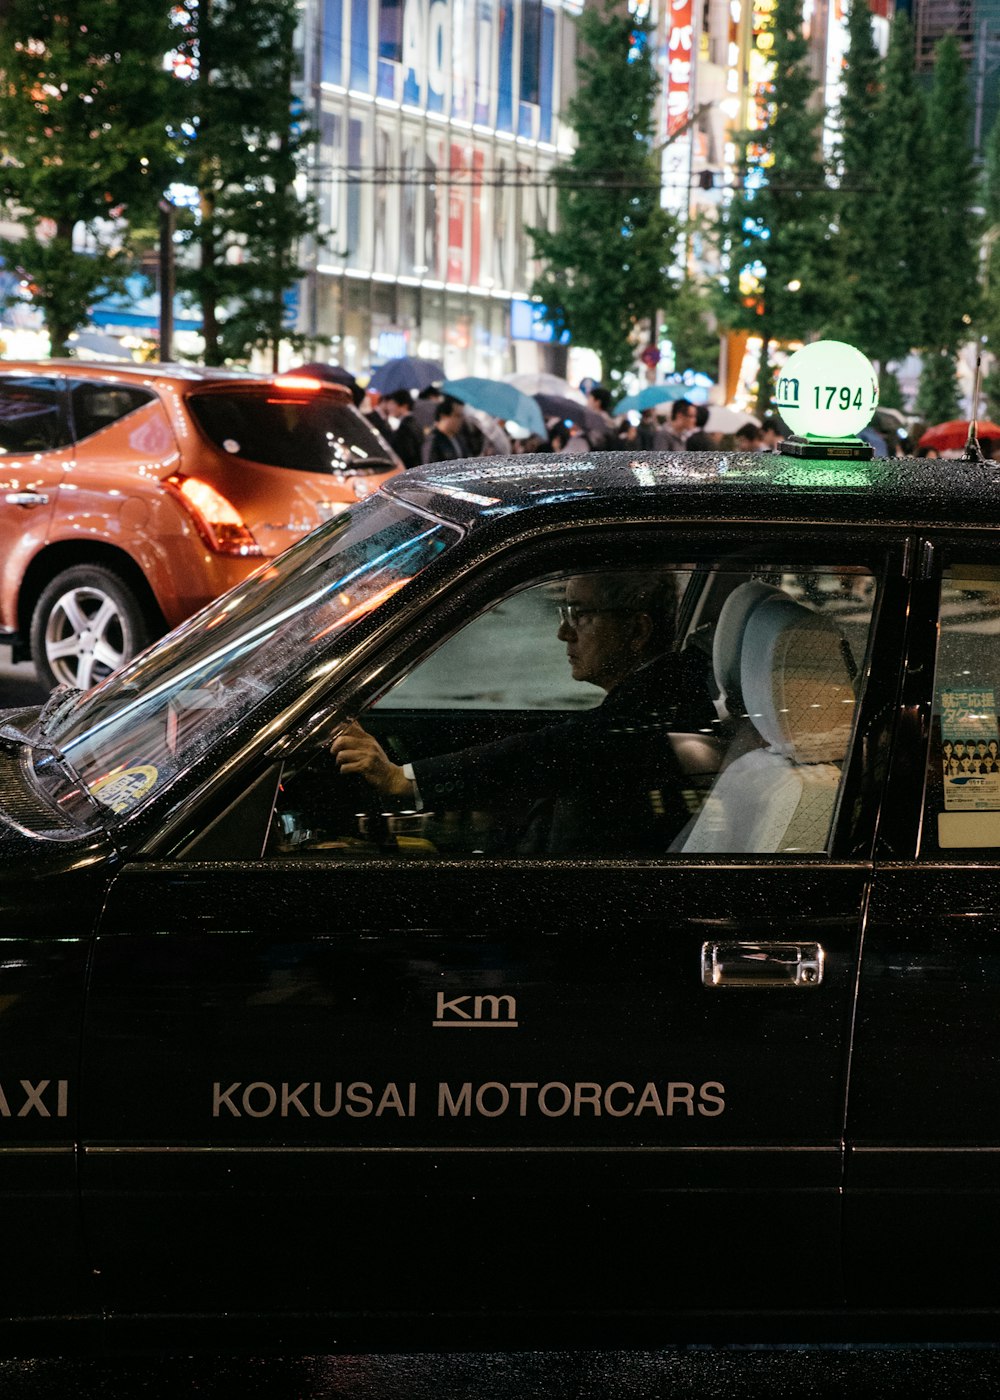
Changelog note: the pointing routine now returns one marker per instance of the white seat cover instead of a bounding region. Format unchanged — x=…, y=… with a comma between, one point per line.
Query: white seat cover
x=727, y=641
x=796, y=683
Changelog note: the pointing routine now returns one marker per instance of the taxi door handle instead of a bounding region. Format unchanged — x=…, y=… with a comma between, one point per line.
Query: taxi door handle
x=26, y=498
x=762, y=964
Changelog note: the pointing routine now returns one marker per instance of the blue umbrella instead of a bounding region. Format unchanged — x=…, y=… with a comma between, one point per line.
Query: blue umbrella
x=651, y=396
x=504, y=401
x=405, y=372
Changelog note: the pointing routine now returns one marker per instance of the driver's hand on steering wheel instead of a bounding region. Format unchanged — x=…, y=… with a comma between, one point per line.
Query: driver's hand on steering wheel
x=357, y=752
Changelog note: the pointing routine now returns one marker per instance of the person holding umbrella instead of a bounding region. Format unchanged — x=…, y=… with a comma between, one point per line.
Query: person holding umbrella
x=772, y=433
x=378, y=415
x=446, y=444
x=599, y=401
x=683, y=420
x=646, y=429
x=406, y=434
x=595, y=428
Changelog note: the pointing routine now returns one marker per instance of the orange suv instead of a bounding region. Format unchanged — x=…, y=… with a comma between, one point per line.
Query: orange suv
x=131, y=496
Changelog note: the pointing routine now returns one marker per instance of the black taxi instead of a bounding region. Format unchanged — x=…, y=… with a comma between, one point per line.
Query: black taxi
x=557, y=898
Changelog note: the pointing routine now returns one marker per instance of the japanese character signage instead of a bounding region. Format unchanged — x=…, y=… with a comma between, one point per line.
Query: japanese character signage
x=680, y=38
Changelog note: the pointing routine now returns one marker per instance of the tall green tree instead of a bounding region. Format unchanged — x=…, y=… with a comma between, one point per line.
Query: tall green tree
x=937, y=392
x=777, y=230
x=84, y=151
x=864, y=304
x=692, y=328
x=606, y=264
x=949, y=227
x=989, y=317
x=243, y=151
x=897, y=280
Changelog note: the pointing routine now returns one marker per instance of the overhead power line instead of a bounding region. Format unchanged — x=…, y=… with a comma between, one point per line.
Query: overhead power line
x=522, y=177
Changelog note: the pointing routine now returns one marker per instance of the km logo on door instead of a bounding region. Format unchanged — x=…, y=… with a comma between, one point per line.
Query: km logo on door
x=495, y=1012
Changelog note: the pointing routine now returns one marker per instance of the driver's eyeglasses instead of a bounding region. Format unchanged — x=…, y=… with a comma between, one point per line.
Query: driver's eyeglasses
x=573, y=614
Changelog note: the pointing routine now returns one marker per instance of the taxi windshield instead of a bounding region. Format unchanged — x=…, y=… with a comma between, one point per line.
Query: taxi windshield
x=131, y=734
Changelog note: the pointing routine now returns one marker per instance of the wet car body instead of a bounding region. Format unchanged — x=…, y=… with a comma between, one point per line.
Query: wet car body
x=272, y=1050
x=132, y=495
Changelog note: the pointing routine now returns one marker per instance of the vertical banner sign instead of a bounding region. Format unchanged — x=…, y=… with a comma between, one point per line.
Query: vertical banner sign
x=485, y=81
x=679, y=47
x=676, y=159
x=458, y=188
x=475, y=236
x=761, y=75
x=837, y=43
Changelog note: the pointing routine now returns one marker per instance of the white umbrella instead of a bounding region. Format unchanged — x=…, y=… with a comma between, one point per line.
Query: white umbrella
x=538, y=382
x=96, y=345
x=491, y=431
x=727, y=420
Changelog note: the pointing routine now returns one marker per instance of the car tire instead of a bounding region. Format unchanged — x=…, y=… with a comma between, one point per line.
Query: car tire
x=87, y=622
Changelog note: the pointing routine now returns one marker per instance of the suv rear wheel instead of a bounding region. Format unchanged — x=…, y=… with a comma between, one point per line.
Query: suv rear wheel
x=86, y=623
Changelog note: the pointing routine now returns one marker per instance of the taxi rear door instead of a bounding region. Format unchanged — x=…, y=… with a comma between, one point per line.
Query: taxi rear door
x=509, y=1089
x=922, y=1189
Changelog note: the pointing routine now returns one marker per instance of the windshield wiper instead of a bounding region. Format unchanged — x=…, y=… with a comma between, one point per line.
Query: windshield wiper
x=62, y=699
x=36, y=742
x=52, y=711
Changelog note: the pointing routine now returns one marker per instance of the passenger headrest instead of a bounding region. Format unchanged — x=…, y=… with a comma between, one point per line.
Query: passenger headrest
x=727, y=644
x=796, y=679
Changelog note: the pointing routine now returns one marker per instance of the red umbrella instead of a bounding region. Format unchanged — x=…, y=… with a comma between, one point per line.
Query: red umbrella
x=956, y=433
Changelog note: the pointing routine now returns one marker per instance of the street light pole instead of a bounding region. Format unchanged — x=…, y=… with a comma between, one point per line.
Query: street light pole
x=168, y=222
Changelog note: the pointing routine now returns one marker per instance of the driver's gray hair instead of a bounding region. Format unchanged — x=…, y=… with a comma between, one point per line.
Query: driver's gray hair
x=652, y=593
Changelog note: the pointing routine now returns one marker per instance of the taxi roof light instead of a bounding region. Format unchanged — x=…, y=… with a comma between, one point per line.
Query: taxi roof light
x=827, y=393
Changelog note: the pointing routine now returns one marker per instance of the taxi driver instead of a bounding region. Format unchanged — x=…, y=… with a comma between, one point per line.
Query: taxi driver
x=602, y=782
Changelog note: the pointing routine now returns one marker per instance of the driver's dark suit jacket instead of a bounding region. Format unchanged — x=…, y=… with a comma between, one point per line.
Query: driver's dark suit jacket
x=604, y=782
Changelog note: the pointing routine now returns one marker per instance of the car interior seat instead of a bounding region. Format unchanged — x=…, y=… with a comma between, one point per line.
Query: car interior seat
x=796, y=680
x=734, y=733
x=737, y=729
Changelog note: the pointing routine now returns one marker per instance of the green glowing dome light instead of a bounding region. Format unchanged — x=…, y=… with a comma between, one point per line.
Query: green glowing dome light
x=827, y=391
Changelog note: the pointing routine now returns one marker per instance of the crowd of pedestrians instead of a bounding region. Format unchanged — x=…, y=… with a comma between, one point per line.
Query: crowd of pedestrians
x=435, y=427
x=431, y=426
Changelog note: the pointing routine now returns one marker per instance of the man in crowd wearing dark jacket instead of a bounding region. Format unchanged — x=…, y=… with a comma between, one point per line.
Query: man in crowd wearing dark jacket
x=407, y=436
x=446, y=440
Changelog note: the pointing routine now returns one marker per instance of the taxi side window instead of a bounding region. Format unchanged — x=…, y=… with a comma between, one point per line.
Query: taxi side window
x=618, y=714
x=962, y=792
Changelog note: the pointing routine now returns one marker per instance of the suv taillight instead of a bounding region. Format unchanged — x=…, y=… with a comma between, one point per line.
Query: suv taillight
x=218, y=522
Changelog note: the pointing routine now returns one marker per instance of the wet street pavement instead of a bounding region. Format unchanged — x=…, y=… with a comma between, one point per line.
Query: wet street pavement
x=681, y=1374
x=18, y=684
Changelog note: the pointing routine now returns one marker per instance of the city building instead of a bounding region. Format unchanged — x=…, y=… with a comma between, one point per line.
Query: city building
x=438, y=123
x=976, y=25
x=439, y=120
